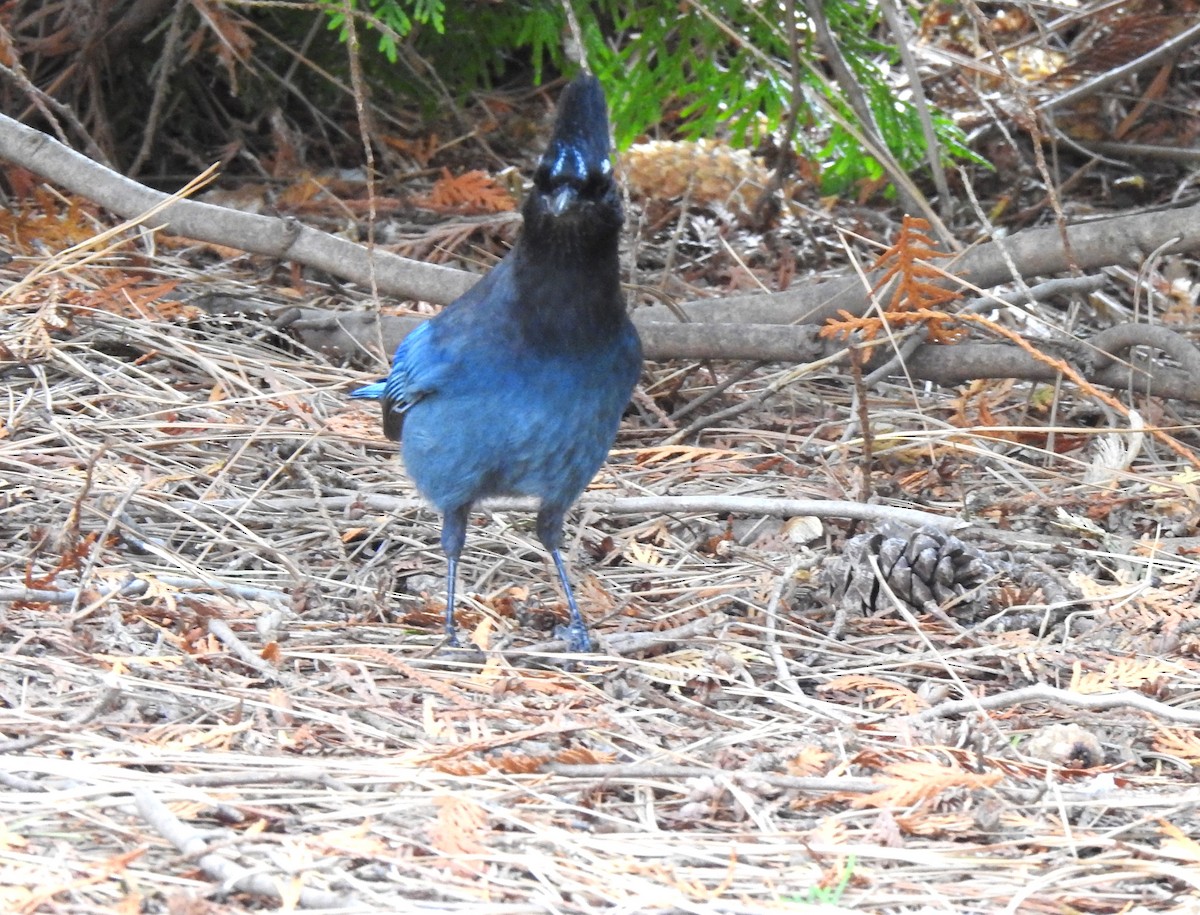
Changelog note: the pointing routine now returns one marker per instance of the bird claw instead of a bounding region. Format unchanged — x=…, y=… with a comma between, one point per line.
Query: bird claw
x=576, y=636
x=453, y=649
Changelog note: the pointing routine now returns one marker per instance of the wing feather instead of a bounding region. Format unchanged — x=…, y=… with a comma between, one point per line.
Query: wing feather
x=409, y=380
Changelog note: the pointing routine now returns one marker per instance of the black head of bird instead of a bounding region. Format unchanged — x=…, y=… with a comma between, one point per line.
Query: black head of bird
x=573, y=184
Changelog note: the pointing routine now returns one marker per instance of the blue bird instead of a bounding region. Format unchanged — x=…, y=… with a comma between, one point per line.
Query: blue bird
x=517, y=387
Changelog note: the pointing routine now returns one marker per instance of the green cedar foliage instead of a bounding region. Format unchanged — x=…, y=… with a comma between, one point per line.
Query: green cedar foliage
x=688, y=68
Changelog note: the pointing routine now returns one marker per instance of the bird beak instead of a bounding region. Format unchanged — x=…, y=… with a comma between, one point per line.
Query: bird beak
x=562, y=199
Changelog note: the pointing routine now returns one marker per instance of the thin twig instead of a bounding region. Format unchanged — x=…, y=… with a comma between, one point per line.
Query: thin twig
x=627, y=643
x=933, y=146
x=247, y=655
x=784, y=586
x=106, y=701
x=1114, y=74
x=618, y=772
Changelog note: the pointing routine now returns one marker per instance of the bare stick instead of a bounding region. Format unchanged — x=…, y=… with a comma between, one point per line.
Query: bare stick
x=631, y=505
x=107, y=700
x=244, y=652
x=1111, y=75
x=284, y=238
x=1041, y=692
x=233, y=877
x=136, y=587
x=620, y=772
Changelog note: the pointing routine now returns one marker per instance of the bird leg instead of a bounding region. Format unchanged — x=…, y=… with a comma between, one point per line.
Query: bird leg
x=454, y=535
x=451, y=575
x=549, y=531
x=543, y=337
x=575, y=632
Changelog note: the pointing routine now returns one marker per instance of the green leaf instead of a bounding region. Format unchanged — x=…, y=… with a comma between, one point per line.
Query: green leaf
x=712, y=71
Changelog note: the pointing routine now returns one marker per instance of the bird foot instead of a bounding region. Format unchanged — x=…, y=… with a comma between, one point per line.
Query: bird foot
x=576, y=636
x=453, y=649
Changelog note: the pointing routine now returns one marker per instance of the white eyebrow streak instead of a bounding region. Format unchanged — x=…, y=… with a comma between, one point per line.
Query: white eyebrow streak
x=560, y=166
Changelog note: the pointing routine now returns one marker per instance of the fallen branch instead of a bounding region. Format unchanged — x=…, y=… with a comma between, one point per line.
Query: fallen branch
x=282, y=237
x=1116, y=240
x=1041, y=692
x=618, y=772
x=106, y=702
x=758, y=333
x=1035, y=252
x=623, y=505
x=233, y=877
x=136, y=586
x=965, y=362
x=343, y=335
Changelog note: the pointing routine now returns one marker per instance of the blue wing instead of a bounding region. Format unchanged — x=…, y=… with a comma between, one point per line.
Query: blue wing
x=411, y=378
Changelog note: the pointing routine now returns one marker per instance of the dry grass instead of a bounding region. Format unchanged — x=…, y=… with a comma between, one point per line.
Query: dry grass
x=222, y=691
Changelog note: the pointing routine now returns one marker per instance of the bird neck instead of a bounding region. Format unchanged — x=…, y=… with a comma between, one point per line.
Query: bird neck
x=569, y=290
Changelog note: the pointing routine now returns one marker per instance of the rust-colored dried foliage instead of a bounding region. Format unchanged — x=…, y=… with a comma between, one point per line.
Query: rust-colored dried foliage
x=917, y=291
x=470, y=192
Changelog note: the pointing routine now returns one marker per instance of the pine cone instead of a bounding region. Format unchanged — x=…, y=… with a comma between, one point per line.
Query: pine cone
x=710, y=170
x=922, y=567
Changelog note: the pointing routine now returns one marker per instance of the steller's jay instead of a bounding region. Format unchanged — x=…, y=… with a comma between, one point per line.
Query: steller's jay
x=517, y=387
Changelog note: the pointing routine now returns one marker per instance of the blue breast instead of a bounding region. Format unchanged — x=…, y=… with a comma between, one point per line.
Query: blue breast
x=520, y=425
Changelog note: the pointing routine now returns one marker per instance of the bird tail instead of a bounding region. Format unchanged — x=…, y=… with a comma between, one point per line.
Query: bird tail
x=370, y=391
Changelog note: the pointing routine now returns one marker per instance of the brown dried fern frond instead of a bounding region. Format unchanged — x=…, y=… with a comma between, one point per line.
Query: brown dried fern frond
x=918, y=290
